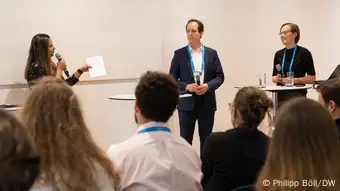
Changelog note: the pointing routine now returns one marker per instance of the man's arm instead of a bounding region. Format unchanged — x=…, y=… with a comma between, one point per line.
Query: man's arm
x=219, y=79
x=175, y=72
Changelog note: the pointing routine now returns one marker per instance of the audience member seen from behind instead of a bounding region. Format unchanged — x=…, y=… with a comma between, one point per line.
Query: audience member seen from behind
x=329, y=96
x=304, y=147
x=70, y=159
x=154, y=158
x=234, y=158
x=39, y=62
x=18, y=159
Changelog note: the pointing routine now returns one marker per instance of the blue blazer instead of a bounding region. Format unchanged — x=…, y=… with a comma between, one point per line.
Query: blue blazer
x=181, y=70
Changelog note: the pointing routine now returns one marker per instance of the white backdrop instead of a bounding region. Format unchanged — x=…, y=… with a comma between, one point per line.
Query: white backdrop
x=128, y=37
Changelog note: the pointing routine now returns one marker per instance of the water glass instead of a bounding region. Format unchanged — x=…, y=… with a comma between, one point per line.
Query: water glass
x=262, y=80
x=290, y=79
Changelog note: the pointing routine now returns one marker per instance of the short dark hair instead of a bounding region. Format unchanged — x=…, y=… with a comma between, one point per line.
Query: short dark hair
x=330, y=90
x=199, y=23
x=294, y=29
x=157, y=96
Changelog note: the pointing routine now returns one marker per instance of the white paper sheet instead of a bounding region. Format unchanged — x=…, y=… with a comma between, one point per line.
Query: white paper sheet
x=98, y=66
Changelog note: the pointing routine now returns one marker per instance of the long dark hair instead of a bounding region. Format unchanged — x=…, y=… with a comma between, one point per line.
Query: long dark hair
x=38, y=53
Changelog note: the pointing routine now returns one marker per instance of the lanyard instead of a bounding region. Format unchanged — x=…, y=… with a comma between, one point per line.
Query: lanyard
x=151, y=129
x=192, y=62
x=291, y=61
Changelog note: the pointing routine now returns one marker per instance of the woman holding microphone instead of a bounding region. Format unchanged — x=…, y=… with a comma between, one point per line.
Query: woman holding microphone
x=39, y=62
x=294, y=60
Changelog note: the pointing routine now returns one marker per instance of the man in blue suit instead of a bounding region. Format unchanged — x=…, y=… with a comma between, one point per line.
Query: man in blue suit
x=198, y=70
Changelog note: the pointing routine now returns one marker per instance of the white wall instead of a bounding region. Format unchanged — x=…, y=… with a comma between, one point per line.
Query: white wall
x=245, y=34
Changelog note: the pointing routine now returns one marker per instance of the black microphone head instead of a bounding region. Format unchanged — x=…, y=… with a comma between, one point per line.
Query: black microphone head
x=58, y=56
x=278, y=67
x=198, y=80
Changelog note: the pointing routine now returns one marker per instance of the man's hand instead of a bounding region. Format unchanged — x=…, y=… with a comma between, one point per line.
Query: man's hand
x=202, y=89
x=192, y=87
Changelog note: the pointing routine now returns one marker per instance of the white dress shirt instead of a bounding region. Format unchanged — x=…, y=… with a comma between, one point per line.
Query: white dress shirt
x=157, y=161
x=197, y=59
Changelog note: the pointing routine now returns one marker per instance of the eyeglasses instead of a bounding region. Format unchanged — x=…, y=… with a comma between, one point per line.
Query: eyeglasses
x=284, y=32
x=230, y=105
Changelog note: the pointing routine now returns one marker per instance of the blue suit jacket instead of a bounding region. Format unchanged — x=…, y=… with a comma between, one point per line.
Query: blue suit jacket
x=213, y=75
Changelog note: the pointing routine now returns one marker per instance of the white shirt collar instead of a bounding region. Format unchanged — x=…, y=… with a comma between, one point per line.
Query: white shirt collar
x=192, y=50
x=151, y=124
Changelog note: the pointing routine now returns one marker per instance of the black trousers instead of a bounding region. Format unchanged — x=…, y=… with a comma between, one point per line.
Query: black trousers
x=187, y=121
x=285, y=96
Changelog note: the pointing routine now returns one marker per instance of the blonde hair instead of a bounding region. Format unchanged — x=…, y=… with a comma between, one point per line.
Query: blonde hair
x=68, y=151
x=305, y=147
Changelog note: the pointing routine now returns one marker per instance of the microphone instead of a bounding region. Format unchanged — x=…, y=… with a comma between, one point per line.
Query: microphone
x=198, y=79
x=58, y=56
x=278, y=68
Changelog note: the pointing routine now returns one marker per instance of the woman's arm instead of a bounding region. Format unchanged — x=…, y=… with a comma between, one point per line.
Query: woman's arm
x=72, y=80
x=305, y=80
x=34, y=72
x=310, y=70
x=75, y=77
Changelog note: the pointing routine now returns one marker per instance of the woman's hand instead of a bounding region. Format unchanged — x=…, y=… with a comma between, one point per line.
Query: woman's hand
x=61, y=65
x=85, y=68
x=277, y=79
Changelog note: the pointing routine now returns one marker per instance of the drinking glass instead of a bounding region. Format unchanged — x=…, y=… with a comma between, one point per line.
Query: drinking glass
x=290, y=79
x=262, y=80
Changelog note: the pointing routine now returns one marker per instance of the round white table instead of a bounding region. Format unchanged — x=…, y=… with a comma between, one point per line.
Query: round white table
x=275, y=89
x=129, y=97
x=10, y=107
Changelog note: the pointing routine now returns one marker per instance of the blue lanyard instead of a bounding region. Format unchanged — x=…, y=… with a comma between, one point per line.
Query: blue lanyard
x=151, y=129
x=291, y=61
x=192, y=62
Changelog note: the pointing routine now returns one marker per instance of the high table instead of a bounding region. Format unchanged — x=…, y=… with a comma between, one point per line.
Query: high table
x=274, y=90
x=10, y=107
x=129, y=97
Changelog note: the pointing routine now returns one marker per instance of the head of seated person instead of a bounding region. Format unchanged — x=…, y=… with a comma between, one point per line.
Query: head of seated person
x=19, y=163
x=329, y=96
x=304, y=147
x=157, y=97
x=69, y=156
x=249, y=107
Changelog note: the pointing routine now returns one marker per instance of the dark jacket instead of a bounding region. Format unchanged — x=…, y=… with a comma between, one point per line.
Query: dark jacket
x=213, y=75
x=233, y=158
x=35, y=71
